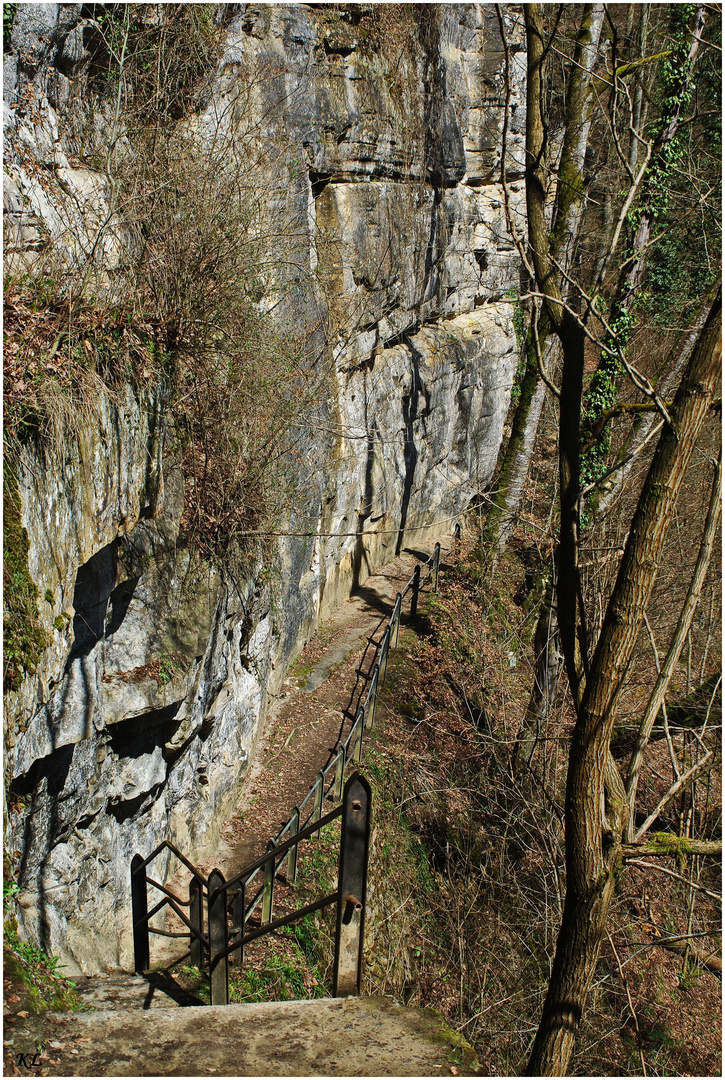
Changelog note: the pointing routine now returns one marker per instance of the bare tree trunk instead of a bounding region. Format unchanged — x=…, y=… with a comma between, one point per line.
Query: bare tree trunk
x=596, y=806
x=567, y=216
x=547, y=666
x=673, y=653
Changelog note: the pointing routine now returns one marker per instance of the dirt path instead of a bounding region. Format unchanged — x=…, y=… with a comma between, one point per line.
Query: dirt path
x=312, y=715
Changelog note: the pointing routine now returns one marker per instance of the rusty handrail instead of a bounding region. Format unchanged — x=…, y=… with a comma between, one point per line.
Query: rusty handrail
x=367, y=709
x=432, y=563
x=354, y=839
x=175, y=851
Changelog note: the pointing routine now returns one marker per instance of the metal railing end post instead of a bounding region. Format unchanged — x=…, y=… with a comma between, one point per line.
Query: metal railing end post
x=340, y=771
x=268, y=897
x=319, y=797
x=396, y=616
x=292, y=856
x=414, y=592
x=384, y=650
x=139, y=915
x=360, y=723
x=238, y=920
x=196, y=918
x=352, y=887
x=218, y=958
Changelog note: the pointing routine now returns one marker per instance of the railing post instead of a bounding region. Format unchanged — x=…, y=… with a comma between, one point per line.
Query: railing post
x=340, y=771
x=218, y=961
x=354, y=844
x=139, y=914
x=238, y=914
x=372, y=698
x=415, y=590
x=319, y=793
x=360, y=722
x=384, y=650
x=436, y=565
x=292, y=855
x=196, y=951
x=396, y=617
x=268, y=894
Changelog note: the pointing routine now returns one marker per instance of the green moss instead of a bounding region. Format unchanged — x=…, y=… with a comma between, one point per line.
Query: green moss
x=429, y=1024
x=23, y=637
x=571, y=189
x=47, y=990
x=668, y=844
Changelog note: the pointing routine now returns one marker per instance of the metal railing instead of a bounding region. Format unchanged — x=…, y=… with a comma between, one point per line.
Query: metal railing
x=329, y=781
x=216, y=895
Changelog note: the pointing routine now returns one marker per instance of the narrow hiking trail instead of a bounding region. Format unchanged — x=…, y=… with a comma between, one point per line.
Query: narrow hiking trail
x=312, y=715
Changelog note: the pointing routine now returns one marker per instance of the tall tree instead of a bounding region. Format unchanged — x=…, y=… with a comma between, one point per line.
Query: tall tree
x=540, y=345
x=597, y=804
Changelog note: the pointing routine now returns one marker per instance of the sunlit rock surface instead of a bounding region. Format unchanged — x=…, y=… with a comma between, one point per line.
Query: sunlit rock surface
x=143, y=714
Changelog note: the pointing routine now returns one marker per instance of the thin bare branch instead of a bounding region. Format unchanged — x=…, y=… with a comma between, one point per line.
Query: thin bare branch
x=632, y=860
x=679, y=785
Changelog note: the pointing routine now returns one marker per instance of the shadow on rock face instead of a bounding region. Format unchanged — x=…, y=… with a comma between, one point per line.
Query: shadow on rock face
x=100, y=599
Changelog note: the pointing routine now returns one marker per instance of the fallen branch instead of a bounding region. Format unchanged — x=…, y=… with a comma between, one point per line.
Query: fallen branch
x=681, y=943
x=687, y=778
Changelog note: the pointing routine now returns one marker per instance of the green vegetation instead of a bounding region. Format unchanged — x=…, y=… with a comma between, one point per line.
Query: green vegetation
x=519, y=320
x=295, y=962
x=8, y=20
x=170, y=666
x=289, y=975
x=685, y=258
x=23, y=636
x=43, y=985
x=673, y=210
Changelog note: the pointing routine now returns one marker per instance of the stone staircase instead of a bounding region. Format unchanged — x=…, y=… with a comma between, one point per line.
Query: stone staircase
x=133, y=1027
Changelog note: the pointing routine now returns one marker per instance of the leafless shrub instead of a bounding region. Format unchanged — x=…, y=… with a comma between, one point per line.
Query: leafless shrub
x=207, y=240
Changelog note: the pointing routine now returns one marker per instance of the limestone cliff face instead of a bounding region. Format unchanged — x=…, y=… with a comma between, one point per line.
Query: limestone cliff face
x=141, y=718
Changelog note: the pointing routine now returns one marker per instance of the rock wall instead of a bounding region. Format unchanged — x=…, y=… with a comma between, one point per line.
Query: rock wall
x=140, y=721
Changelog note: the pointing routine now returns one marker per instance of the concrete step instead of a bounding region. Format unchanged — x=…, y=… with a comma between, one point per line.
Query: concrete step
x=120, y=991
x=327, y=1037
